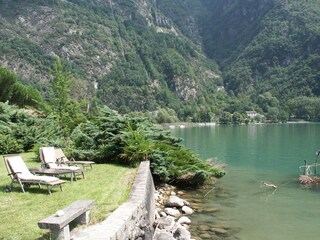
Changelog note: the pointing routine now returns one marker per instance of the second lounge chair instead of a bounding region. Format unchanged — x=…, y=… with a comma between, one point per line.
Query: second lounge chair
x=61, y=157
x=49, y=160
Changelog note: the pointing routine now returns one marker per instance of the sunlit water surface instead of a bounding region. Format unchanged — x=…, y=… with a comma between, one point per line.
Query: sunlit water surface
x=256, y=154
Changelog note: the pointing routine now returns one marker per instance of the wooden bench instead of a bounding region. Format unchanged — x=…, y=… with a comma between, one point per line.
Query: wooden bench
x=77, y=213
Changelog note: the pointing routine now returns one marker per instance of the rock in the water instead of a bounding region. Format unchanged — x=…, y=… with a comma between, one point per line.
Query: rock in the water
x=187, y=210
x=163, y=235
x=163, y=214
x=221, y=226
x=181, y=193
x=203, y=228
x=175, y=201
x=219, y=230
x=172, y=212
x=165, y=222
x=205, y=236
x=184, y=220
x=211, y=210
x=182, y=234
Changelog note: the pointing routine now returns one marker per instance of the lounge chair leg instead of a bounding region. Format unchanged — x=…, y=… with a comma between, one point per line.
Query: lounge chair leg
x=21, y=185
x=61, y=187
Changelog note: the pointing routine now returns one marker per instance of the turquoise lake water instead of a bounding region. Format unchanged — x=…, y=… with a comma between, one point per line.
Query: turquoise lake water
x=255, y=154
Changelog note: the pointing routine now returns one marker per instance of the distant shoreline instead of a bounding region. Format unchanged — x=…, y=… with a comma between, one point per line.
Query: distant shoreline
x=182, y=125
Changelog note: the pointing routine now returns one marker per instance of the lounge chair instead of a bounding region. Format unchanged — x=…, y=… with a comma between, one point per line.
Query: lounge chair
x=19, y=173
x=61, y=158
x=49, y=160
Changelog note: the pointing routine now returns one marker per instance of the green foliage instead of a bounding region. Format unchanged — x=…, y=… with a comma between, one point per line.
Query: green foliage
x=7, y=81
x=305, y=108
x=128, y=48
x=165, y=115
x=225, y=118
x=21, y=132
x=136, y=145
x=23, y=95
x=262, y=46
x=16, y=92
x=143, y=63
x=67, y=111
x=110, y=137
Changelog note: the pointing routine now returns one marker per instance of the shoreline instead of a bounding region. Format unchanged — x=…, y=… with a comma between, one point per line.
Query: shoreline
x=182, y=125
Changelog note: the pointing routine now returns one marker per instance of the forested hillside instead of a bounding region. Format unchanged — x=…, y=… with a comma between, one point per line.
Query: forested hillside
x=126, y=49
x=174, y=56
x=268, y=49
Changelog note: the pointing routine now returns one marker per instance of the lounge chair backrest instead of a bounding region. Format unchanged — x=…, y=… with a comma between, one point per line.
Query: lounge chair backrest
x=48, y=157
x=16, y=165
x=48, y=154
x=60, y=155
x=10, y=173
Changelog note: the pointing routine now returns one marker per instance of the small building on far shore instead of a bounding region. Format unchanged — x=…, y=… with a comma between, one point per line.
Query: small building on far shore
x=251, y=114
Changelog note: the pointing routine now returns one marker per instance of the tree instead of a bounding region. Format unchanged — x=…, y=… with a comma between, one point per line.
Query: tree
x=24, y=95
x=7, y=81
x=225, y=118
x=237, y=118
x=67, y=111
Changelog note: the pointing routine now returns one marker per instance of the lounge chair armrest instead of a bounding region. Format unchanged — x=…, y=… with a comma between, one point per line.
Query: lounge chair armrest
x=46, y=165
x=61, y=160
x=72, y=159
x=14, y=173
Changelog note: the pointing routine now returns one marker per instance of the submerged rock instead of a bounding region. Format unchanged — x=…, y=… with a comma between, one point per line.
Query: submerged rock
x=175, y=201
x=172, y=212
x=165, y=222
x=182, y=234
x=187, y=210
x=219, y=230
x=184, y=220
x=203, y=228
x=163, y=235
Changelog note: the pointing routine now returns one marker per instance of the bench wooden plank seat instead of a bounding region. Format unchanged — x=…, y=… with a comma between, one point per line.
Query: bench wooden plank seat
x=77, y=212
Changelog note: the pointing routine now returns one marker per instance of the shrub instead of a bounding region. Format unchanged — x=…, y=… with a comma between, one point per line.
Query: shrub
x=110, y=136
x=21, y=131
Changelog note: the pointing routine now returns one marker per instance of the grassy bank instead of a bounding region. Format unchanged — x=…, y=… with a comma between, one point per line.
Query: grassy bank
x=109, y=185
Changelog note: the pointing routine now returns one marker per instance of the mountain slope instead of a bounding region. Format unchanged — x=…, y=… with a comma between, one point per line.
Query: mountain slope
x=126, y=48
x=262, y=45
x=137, y=55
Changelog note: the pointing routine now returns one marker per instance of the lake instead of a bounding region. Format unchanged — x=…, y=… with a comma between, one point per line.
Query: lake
x=256, y=154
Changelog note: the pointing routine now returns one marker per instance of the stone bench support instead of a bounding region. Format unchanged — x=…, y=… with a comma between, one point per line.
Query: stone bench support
x=78, y=213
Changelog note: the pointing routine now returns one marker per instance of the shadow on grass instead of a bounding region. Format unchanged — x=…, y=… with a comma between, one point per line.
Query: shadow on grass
x=45, y=237
x=30, y=189
x=5, y=189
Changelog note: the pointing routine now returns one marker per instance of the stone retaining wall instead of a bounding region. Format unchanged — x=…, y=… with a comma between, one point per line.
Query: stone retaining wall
x=134, y=217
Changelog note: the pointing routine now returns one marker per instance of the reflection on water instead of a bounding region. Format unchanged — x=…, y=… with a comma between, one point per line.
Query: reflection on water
x=241, y=206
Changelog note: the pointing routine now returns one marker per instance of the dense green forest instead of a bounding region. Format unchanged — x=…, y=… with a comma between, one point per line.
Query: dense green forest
x=267, y=50
x=188, y=60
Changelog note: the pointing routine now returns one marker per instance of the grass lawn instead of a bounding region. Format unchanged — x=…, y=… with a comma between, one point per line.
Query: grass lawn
x=109, y=185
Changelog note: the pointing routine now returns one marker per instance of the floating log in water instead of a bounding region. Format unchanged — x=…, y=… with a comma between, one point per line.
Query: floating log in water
x=269, y=184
